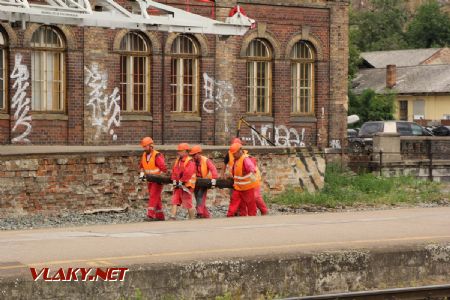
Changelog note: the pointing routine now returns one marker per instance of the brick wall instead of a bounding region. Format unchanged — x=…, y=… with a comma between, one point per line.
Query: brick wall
x=322, y=23
x=101, y=179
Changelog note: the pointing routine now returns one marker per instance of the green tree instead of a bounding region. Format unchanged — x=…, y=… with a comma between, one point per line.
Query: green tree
x=354, y=58
x=370, y=106
x=380, y=28
x=430, y=27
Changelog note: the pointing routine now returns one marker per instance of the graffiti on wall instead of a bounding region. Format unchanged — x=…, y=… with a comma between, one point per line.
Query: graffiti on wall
x=105, y=108
x=283, y=136
x=219, y=96
x=19, y=101
x=335, y=144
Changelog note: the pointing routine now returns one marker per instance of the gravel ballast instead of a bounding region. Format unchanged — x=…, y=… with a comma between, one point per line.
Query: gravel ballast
x=136, y=215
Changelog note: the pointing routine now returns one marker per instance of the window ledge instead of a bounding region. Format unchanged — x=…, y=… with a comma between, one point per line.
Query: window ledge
x=261, y=118
x=303, y=119
x=135, y=117
x=46, y=116
x=184, y=118
x=4, y=116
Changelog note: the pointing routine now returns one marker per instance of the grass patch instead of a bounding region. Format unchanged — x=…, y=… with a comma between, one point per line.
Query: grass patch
x=344, y=188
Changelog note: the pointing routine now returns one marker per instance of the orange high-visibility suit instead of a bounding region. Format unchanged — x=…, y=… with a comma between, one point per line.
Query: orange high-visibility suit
x=154, y=164
x=245, y=182
x=184, y=171
x=260, y=204
x=205, y=169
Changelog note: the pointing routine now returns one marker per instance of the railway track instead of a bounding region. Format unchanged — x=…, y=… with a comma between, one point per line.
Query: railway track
x=441, y=292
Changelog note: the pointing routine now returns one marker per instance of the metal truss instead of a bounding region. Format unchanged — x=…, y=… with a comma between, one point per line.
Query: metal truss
x=109, y=14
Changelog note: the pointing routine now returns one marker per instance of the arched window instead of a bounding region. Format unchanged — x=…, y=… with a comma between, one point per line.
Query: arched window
x=302, y=70
x=3, y=72
x=259, y=77
x=134, y=73
x=47, y=70
x=185, y=76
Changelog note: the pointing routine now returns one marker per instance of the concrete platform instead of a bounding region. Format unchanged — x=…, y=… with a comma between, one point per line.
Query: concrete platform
x=170, y=245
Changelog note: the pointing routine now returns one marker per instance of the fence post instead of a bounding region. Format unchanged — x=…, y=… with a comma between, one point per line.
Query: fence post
x=430, y=158
x=381, y=162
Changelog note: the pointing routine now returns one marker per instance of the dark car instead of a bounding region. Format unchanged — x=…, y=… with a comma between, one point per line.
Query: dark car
x=355, y=143
x=440, y=130
x=403, y=128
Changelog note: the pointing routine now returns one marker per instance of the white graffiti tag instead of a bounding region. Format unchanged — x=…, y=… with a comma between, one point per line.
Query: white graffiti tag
x=335, y=144
x=219, y=95
x=287, y=137
x=19, y=102
x=105, y=109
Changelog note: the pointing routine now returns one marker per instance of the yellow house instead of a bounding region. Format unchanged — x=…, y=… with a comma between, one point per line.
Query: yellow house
x=433, y=108
x=421, y=82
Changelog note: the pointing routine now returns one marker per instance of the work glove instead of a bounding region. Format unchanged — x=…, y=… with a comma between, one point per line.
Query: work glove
x=142, y=176
x=213, y=183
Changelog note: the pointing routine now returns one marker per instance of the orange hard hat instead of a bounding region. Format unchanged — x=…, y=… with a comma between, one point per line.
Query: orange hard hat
x=196, y=149
x=183, y=146
x=146, y=141
x=236, y=140
x=235, y=147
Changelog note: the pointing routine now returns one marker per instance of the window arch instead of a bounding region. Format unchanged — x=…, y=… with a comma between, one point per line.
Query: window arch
x=259, y=76
x=302, y=73
x=48, y=70
x=134, y=73
x=3, y=71
x=185, y=66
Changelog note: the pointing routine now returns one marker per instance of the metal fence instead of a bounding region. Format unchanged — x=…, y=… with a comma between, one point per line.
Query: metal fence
x=429, y=154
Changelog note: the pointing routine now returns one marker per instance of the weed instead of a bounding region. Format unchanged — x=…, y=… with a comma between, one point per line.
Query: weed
x=344, y=188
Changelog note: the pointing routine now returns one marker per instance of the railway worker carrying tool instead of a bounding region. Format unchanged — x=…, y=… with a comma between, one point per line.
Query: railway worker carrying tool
x=152, y=163
x=205, y=168
x=229, y=162
x=183, y=180
x=246, y=181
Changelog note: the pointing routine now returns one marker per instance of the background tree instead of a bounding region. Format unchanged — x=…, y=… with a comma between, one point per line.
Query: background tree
x=430, y=27
x=380, y=28
x=370, y=106
x=354, y=58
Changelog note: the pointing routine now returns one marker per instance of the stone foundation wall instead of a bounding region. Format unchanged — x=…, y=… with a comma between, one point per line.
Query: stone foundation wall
x=89, y=179
x=302, y=274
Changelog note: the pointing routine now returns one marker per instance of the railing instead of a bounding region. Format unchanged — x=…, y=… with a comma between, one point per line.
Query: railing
x=427, y=153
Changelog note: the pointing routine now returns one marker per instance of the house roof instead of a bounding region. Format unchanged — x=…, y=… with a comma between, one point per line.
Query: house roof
x=401, y=58
x=410, y=80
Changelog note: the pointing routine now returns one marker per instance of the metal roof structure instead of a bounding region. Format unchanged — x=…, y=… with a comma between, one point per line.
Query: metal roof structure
x=423, y=79
x=400, y=58
x=109, y=14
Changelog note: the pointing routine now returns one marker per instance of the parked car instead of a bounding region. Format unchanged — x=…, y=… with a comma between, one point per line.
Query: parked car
x=355, y=143
x=440, y=130
x=403, y=128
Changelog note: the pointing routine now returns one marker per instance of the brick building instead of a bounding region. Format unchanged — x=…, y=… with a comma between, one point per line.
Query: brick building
x=72, y=85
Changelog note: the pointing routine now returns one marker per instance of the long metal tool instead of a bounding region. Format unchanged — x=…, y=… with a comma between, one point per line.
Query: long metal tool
x=242, y=120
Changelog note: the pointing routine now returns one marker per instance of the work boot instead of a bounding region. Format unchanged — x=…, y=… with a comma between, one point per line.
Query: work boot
x=160, y=216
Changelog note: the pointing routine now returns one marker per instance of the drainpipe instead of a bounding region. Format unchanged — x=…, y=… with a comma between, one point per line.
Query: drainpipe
x=215, y=76
x=163, y=82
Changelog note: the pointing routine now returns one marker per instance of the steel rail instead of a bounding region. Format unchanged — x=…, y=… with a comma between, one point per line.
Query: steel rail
x=423, y=292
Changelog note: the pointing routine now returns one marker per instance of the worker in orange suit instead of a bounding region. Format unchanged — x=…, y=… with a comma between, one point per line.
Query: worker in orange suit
x=245, y=182
x=205, y=169
x=183, y=180
x=229, y=161
x=152, y=163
